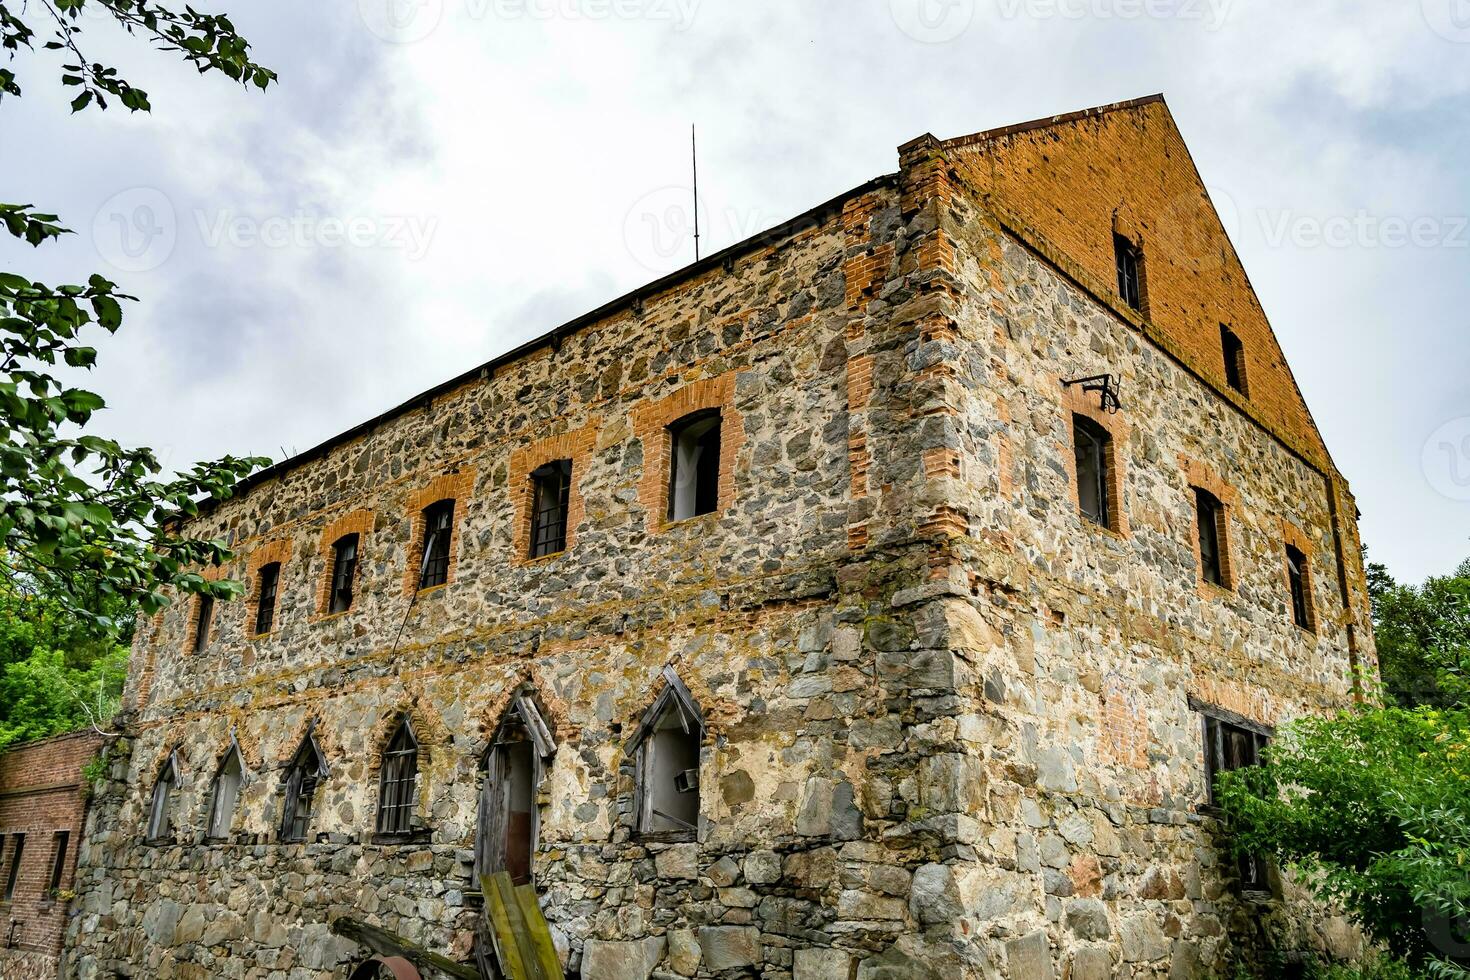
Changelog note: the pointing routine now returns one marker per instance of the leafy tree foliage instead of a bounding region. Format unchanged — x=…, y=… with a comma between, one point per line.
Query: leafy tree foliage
x=1423, y=635
x=85, y=521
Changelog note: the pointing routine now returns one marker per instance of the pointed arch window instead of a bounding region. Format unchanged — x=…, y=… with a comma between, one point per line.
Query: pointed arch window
x=160, y=812
x=305, y=771
x=515, y=763
x=398, y=782
x=666, y=763
x=226, y=793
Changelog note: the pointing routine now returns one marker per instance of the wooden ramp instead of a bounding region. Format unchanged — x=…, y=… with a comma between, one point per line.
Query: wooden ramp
x=518, y=930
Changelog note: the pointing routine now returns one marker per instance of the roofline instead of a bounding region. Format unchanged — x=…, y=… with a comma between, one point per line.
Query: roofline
x=554, y=337
x=1043, y=123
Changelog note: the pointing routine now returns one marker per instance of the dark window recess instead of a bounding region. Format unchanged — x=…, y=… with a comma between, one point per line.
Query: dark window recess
x=265, y=607
x=307, y=768
x=553, y=489
x=160, y=813
x=1129, y=259
x=438, y=528
x=1234, y=352
x=61, y=839
x=226, y=793
x=1092, y=445
x=344, y=567
x=1296, y=574
x=1229, y=747
x=505, y=835
x=667, y=766
x=1209, y=515
x=17, y=851
x=201, y=626
x=398, y=782
x=694, y=471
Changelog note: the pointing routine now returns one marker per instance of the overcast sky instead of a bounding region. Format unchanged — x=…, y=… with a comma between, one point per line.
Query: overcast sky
x=435, y=181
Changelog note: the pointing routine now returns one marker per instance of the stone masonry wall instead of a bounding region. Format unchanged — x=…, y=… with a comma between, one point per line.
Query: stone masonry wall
x=41, y=793
x=949, y=733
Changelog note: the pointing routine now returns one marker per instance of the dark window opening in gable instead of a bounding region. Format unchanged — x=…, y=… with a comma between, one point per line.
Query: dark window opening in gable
x=1093, y=446
x=1129, y=259
x=1299, y=578
x=305, y=771
x=666, y=775
x=160, y=813
x=226, y=794
x=508, y=822
x=398, y=782
x=1234, y=352
x=61, y=840
x=552, y=485
x=438, y=529
x=344, y=567
x=1230, y=746
x=17, y=851
x=1209, y=516
x=201, y=625
x=694, y=471
x=265, y=607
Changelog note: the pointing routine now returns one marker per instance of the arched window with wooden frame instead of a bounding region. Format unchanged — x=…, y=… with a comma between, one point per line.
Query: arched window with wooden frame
x=304, y=773
x=666, y=750
x=514, y=765
x=398, y=782
x=225, y=794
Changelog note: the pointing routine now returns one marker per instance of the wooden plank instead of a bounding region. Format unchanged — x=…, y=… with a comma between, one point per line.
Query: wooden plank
x=507, y=952
x=520, y=931
x=384, y=943
x=540, y=932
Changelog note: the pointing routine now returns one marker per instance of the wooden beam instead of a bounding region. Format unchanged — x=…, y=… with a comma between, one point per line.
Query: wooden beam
x=385, y=943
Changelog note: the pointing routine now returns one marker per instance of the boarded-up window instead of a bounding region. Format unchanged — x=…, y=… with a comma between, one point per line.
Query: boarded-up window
x=667, y=746
x=226, y=793
x=505, y=838
x=303, y=773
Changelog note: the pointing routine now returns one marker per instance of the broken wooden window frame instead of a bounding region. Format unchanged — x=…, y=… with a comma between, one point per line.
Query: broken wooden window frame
x=302, y=777
x=1232, y=741
x=491, y=837
x=438, y=521
x=675, y=697
x=161, y=802
x=221, y=808
x=398, y=782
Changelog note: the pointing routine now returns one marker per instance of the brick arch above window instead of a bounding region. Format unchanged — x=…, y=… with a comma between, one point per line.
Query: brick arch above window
x=277, y=552
x=1076, y=402
x=575, y=445
x=457, y=486
x=359, y=522
x=197, y=605
x=651, y=421
x=1203, y=476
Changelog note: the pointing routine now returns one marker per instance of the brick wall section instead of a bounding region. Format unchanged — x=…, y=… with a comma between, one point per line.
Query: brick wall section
x=651, y=421
x=1076, y=180
x=577, y=446
x=40, y=793
x=457, y=486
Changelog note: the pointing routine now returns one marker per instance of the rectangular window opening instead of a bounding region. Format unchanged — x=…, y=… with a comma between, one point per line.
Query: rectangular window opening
x=265, y=608
x=17, y=851
x=344, y=565
x=438, y=529
x=1092, y=445
x=226, y=793
x=1129, y=259
x=1234, y=352
x=1209, y=516
x=1299, y=578
x=1228, y=747
x=62, y=838
x=552, y=495
x=694, y=473
x=201, y=627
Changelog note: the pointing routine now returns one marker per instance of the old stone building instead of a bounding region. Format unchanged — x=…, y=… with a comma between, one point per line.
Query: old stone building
x=42, y=804
x=870, y=599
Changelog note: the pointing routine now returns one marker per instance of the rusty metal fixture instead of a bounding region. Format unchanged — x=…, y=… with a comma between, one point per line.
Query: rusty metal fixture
x=400, y=968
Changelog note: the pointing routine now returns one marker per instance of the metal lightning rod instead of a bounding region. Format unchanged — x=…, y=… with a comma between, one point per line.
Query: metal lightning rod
x=694, y=158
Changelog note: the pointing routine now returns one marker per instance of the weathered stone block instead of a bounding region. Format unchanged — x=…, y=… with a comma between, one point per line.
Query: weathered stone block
x=729, y=947
x=621, y=960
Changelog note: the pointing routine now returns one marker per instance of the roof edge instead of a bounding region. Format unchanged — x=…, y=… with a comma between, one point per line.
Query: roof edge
x=554, y=336
x=1048, y=121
